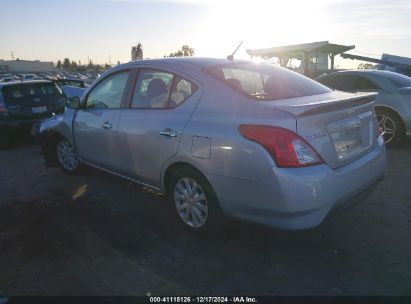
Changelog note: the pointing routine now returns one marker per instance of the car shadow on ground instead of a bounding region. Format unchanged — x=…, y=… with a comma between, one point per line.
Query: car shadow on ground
x=16, y=139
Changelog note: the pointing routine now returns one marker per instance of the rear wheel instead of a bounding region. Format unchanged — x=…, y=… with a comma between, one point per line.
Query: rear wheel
x=67, y=156
x=391, y=127
x=194, y=202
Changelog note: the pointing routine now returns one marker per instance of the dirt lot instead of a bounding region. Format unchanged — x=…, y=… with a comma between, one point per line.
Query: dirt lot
x=96, y=234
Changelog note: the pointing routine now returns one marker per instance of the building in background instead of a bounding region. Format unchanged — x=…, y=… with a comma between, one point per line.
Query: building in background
x=137, y=52
x=25, y=66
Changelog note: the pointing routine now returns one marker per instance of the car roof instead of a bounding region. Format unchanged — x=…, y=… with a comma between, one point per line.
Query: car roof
x=200, y=62
x=363, y=72
x=18, y=82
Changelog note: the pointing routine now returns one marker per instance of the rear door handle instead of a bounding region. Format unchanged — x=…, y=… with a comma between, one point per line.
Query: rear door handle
x=168, y=132
x=106, y=125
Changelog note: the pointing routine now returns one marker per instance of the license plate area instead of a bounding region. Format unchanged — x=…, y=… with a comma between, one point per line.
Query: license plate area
x=351, y=136
x=347, y=143
x=37, y=110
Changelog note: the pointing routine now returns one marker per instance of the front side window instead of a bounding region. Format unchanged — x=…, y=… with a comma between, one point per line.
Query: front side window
x=109, y=92
x=158, y=89
x=266, y=82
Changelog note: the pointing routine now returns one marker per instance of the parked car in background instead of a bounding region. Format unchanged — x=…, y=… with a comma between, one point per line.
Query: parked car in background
x=70, y=91
x=25, y=77
x=8, y=79
x=393, y=103
x=71, y=87
x=244, y=140
x=24, y=103
x=70, y=82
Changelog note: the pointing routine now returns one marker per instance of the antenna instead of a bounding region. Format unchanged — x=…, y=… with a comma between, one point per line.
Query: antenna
x=231, y=57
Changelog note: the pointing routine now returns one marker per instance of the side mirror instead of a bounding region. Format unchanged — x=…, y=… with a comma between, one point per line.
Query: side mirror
x=73, y=102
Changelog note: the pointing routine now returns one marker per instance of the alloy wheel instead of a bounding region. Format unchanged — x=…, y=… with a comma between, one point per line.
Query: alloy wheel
x=67, y=155
x=388, y=127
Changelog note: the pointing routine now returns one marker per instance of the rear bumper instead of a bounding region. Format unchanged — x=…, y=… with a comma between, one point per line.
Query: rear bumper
x=300, y=198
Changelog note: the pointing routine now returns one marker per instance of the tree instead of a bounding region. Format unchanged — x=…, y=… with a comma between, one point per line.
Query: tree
x=90, y=65
x=59, y=65
x=66, y=64
x=187, y=51
x=183, y=52
x=73, y=65
x=367, y=66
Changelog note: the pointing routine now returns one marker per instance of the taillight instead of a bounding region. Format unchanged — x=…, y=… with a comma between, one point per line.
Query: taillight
x=285, y=147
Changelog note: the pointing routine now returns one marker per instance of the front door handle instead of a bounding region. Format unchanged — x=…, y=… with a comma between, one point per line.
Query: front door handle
x=106, y=125
x=168, y=132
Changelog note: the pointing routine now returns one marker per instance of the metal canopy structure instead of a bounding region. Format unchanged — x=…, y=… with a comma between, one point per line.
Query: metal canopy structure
x=306, y=52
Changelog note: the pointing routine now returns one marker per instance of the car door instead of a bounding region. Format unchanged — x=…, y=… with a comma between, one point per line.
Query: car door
x=96, y=122
x=161, y=104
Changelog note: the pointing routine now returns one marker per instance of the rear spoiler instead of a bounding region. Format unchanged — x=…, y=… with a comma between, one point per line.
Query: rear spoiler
x=327, y=105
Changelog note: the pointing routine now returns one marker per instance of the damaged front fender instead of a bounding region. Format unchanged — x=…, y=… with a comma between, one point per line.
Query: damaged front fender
x=48, y=132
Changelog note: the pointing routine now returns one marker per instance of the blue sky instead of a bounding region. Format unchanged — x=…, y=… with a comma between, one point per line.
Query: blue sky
x=97, y=29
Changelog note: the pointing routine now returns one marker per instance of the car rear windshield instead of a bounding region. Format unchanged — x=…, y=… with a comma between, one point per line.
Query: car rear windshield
x=22, y=91
x=266, y=82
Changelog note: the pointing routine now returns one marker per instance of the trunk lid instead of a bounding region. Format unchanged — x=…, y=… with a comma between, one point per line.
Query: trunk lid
x=340, y=126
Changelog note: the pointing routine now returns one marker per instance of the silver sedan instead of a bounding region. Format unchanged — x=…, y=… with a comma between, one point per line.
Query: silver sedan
x=224, y=139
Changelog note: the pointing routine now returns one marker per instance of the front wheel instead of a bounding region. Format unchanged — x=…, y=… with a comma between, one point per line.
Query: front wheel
x=195, y=202
x=67, y=156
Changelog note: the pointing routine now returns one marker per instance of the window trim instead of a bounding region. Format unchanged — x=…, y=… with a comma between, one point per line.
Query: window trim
x=136, y=73
x=123, y=98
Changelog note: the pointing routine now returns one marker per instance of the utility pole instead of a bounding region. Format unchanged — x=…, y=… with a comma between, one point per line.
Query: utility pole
x=12, y=55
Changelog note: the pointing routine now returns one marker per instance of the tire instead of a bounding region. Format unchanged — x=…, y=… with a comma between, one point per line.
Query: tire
x=391, y=126
x=194, y=202
x=67, y=157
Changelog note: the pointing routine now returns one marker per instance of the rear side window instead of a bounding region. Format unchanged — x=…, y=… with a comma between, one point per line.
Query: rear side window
x=181, y=90
x=266, y=82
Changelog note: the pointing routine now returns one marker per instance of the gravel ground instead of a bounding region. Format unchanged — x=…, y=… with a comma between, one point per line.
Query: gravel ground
x=95, y=234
